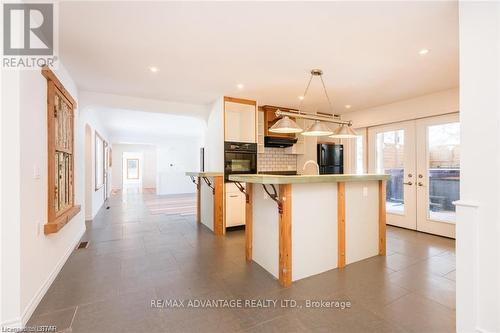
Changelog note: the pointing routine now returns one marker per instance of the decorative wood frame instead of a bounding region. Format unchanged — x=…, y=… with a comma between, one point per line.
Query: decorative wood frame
x=97, y=185
x=138, y=170
x=57, y=217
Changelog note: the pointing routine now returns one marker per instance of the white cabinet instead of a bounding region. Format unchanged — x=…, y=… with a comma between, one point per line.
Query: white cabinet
x=235, y=206
x=240, y=120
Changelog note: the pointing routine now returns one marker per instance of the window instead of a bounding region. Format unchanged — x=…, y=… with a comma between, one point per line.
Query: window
x=60, y=145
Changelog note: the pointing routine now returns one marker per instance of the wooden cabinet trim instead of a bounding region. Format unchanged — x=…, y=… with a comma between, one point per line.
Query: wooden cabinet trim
x=239, y=100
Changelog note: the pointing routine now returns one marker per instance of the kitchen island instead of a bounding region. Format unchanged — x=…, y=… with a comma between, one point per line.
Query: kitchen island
x=299, y=226
x=209, y=199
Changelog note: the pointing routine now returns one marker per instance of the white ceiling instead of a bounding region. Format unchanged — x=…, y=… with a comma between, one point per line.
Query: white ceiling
x=368, y=50
x=128, y=126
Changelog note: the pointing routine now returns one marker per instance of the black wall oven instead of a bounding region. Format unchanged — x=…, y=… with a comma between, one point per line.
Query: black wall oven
x=239, y=157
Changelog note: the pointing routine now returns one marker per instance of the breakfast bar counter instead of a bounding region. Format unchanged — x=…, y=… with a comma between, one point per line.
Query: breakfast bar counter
x=299, y=226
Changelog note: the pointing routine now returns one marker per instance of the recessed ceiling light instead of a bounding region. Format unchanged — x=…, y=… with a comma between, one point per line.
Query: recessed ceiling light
x=153, y=69
x=240, y=86
x=301, y=98
x=423, y=51
x=347, y=106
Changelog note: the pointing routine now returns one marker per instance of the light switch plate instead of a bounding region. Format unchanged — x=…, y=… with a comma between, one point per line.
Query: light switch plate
x=365, y=191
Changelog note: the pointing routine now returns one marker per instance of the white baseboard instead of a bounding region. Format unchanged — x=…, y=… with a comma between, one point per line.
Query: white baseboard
x=13, y=323
x=28, y=311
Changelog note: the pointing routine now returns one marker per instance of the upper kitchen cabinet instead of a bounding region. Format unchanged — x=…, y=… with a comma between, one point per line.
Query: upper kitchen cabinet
x=240, y=120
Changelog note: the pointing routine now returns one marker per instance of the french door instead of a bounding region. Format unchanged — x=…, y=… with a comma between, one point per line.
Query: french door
x=392, y=151
x=423, y=158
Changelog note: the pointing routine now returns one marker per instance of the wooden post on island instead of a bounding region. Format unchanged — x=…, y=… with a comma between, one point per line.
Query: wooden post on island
x=198, y=200
x=285, y=235
x=381, y=218
x=248, y=222
x=341, y=224
x=219, y=229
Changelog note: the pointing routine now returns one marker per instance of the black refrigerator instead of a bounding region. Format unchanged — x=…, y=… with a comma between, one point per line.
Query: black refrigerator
x=330, y=158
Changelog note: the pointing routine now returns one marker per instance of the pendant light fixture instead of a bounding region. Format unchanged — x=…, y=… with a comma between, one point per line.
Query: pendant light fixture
x=318, y=128
x=344, y=131
x=285, y=125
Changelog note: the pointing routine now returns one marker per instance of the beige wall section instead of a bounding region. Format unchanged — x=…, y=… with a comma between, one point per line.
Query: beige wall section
x=207, y=204
x=214, y=138
x=478, y=213
x=434, y=104
x=361, y=224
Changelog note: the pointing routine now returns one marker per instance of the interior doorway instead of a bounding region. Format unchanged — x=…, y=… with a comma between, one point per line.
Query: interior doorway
x=423, y=158
x=132, y=167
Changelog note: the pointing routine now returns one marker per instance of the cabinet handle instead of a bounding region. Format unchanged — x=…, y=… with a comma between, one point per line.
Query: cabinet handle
x=233, y=196
x=408, y=183
x=420, y=184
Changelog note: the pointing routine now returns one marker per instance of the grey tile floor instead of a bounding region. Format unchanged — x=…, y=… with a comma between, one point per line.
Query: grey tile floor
x=135, y=257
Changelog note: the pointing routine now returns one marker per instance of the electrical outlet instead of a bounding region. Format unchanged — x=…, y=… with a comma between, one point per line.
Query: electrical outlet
x=365, y=191
x=36, y=172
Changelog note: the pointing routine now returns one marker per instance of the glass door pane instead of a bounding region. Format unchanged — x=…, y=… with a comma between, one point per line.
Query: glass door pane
x=390, y=160
x=443, y=170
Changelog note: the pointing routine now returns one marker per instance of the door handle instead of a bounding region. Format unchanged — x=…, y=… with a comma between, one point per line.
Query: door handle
x=420, y=184
x=408, y=183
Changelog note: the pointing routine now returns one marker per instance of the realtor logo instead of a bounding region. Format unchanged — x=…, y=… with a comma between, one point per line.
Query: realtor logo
x=28, y=35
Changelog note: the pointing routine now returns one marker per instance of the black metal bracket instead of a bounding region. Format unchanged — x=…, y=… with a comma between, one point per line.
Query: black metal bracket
x=243, y=190
x=209, y=183
x=193, y=180
x=275, y=197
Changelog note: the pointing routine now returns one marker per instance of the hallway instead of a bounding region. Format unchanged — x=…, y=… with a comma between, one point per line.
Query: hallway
x=135, y=257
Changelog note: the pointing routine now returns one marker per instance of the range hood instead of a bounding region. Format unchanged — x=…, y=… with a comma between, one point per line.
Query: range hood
x=279, y=142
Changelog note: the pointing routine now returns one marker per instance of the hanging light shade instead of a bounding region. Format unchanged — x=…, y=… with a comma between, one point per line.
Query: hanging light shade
x=317, y=129
x=344, y=132
x=285, y=125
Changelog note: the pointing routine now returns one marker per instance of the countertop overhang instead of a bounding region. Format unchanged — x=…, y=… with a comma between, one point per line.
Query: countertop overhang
x=204, y=174
x=305, y=179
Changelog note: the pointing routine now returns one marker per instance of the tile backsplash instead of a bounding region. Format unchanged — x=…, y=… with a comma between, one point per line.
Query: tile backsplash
x=275, y=159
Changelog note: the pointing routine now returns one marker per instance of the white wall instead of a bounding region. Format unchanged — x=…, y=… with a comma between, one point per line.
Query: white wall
x=478, y=212
x=30, y=259
x=175, y=157
x=424, y=106
x=214, y=138
x=148, y=167
x=10, y=226
x=91, y=118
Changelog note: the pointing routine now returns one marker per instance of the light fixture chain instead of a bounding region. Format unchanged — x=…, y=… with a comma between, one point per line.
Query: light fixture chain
x=326, y=93
x=305, y=92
